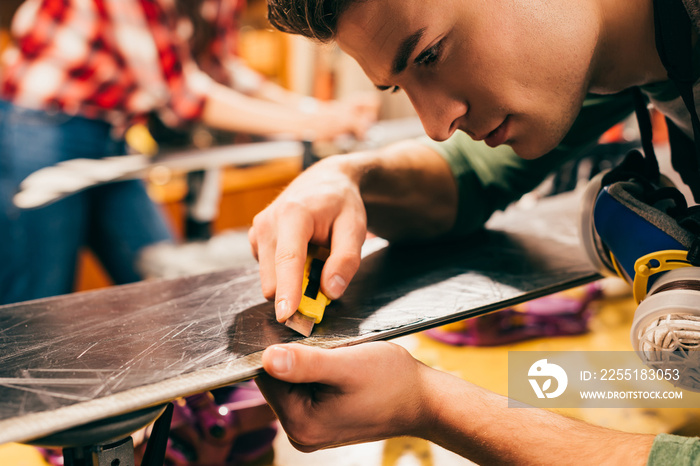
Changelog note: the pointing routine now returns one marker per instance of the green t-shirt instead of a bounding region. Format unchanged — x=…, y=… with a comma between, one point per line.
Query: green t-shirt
x=672, y=450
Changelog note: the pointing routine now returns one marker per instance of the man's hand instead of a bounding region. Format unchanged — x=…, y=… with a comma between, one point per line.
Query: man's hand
x=406, y=190
x=326, y=398
x=322, y=206
x=342, y=396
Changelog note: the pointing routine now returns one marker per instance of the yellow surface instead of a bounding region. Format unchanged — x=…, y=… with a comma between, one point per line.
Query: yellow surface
x=395, y=449
x=14, y=454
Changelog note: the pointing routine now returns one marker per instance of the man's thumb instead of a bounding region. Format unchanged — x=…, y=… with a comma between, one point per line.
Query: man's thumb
x=296, y=363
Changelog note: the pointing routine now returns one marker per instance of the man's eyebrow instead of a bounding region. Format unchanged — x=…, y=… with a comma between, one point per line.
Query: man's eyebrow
x=405, y=50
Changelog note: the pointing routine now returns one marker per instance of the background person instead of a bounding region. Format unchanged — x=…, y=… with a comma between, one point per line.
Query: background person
x=80, y=73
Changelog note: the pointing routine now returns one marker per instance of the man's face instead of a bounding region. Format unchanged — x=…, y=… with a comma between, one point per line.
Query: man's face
x=507, y=71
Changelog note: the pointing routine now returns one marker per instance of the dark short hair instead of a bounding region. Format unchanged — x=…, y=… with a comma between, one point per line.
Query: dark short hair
x=315, y=19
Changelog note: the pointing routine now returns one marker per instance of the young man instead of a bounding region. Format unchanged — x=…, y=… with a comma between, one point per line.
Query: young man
x=490, y=80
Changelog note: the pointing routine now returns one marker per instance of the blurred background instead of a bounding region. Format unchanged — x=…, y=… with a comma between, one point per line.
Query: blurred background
x=602, y=313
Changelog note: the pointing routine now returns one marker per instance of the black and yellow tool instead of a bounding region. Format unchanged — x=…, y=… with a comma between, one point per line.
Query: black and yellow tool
x=313, y=301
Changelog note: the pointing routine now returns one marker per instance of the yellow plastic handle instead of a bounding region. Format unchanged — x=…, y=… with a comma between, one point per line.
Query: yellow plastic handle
x=309, y=306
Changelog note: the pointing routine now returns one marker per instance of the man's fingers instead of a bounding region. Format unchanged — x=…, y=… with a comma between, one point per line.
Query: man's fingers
x=290, y=256
x=253, y=240
x=344, y=260
x=266, y=259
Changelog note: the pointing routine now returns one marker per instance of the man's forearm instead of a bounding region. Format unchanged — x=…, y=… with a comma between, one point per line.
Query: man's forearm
x=408, y=190
x=479, y=425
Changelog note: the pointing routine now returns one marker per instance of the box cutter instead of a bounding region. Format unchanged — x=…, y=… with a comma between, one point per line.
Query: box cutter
x=313, y=302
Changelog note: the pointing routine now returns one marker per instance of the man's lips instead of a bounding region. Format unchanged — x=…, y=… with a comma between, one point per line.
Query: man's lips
x=496, y=137
x=499, y=135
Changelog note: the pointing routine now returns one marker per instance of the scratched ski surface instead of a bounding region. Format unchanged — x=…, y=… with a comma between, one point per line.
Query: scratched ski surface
x=73, y=359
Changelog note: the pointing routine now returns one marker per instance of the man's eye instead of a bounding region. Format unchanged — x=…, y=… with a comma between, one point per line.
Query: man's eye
x=429, y=56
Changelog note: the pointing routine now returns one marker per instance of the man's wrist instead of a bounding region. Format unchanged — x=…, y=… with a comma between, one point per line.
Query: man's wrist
x=428, y=418
x=354, y=166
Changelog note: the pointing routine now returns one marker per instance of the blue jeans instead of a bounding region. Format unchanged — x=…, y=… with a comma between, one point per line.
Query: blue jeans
x=39, y=248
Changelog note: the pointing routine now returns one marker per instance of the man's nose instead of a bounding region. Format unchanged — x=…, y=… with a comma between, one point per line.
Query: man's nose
x=438, y=112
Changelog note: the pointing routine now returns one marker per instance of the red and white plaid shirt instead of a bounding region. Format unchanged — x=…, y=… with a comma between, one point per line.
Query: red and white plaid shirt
x=114, y=60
